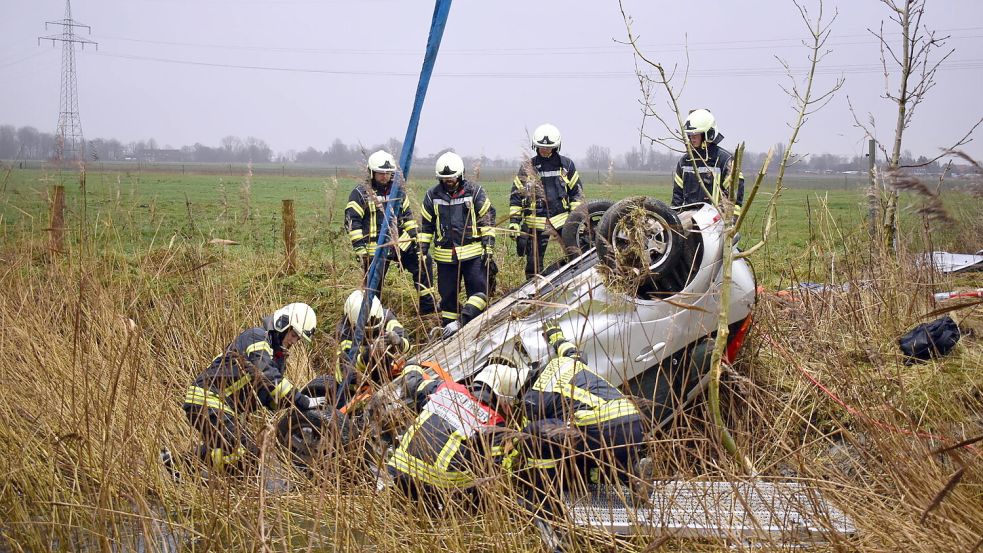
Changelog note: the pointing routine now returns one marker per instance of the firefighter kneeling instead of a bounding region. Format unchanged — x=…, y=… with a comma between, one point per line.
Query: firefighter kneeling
x=455, y=435
x=579, y=425
x=248, y=374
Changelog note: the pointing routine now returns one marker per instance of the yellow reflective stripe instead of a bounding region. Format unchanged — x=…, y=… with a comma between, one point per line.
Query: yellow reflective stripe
x=425, y=237
x=542, y=463
x=572, y=181
x=678, y=179
x=239, y=384
x=426, y=215
x=393, y=324
x=443, y=255
x=415, y=468
x=487, y=231
x=446, y=255
x=449, y=315
x=426, y=291
x=535, y=222
x=451, y=447
x=558, y=219
x=355, y=234
x=404, y=241
x=409, y=224
x=356, y=207
x=259, y=346
x=282, y=388
x=614, y=409
x=206, y=398
x=517, y=182
x=484, y=207
x=564, y=348
x=574, y=205
x=737, y=210
x=478, y=302
x=515, y=210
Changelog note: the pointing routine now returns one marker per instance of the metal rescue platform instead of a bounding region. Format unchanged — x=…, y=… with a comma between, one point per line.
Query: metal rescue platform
x=748, y=511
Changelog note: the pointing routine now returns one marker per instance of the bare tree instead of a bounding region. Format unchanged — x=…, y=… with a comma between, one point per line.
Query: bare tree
x=916, y=59
x=598, y=157
x=806, y=102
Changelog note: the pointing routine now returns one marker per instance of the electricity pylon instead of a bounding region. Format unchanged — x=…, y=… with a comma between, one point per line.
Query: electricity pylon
x=69, y=142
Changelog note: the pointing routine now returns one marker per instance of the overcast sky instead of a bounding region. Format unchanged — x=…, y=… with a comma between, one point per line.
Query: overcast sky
x=301, y=73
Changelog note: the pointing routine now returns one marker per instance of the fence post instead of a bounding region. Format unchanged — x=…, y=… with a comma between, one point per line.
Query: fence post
x=290, y=236
x=56, y=220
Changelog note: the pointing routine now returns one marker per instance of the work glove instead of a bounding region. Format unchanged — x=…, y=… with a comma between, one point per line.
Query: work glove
x=394, y=339
x=550, y=326
x=316, y=402
x=513, y=230
x=521, y=245
x=487, y=247
x=451, y=329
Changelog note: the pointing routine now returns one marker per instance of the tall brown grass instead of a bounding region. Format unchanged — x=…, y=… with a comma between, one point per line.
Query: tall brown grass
x=90, y=398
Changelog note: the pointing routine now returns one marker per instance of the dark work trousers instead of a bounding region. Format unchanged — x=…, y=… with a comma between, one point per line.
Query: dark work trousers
x=536, y=251
x=219, y=431
x=411, y=262
x=603, y=453
x=449, y=277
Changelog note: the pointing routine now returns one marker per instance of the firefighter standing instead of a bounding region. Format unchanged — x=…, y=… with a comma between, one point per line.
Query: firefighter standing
x=248, y=374
x=453, y=439
x=364, y=215
x=706, y=158
x=457, y=231
x=607, y=427
x=536, y=210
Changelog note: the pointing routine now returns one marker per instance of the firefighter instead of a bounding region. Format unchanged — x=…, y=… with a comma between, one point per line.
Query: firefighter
x=384, y=340
x=536, y=212
x=248, y=374
x=364, y=215
x=453, y=439
x=705, y=157
x=457, y=231
x=575, y=416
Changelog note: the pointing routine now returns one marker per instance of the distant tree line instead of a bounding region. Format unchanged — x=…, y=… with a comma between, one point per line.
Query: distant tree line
x=27, y=143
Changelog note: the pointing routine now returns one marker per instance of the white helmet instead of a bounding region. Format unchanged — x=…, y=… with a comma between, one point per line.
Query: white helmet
x=701, y=121
x=546, y=136
x=298, y=316
x=504, y=380
x=449, y=165
x=381, y=162
x=354, y=304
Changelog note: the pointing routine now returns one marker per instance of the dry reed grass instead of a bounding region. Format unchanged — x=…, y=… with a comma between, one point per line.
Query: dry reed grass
x=89, y=399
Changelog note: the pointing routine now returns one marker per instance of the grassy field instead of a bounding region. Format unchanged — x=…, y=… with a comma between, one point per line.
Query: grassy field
x=90, y=397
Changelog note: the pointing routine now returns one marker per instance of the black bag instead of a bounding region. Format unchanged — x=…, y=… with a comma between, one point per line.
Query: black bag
x=929, y=340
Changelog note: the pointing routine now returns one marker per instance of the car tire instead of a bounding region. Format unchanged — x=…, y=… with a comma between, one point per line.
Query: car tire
x=661, y=263
x=577, y=234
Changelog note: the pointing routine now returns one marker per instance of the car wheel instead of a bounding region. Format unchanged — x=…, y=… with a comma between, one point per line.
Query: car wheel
x=577, y=234
x=642, y=238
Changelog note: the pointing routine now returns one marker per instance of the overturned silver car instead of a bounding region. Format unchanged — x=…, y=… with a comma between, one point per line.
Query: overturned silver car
x=637, y=304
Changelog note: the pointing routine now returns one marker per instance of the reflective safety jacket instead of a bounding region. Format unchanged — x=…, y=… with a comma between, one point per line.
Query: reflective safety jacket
x=456, y=223
x=365, y=213
x=236, y=387
x=449, y=441
x=714, y=165
x=568, y=390
x=560, y=194
x=346, y=333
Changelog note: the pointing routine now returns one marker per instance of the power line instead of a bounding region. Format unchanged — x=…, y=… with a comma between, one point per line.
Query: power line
x=874, y=68
x=748, y=44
